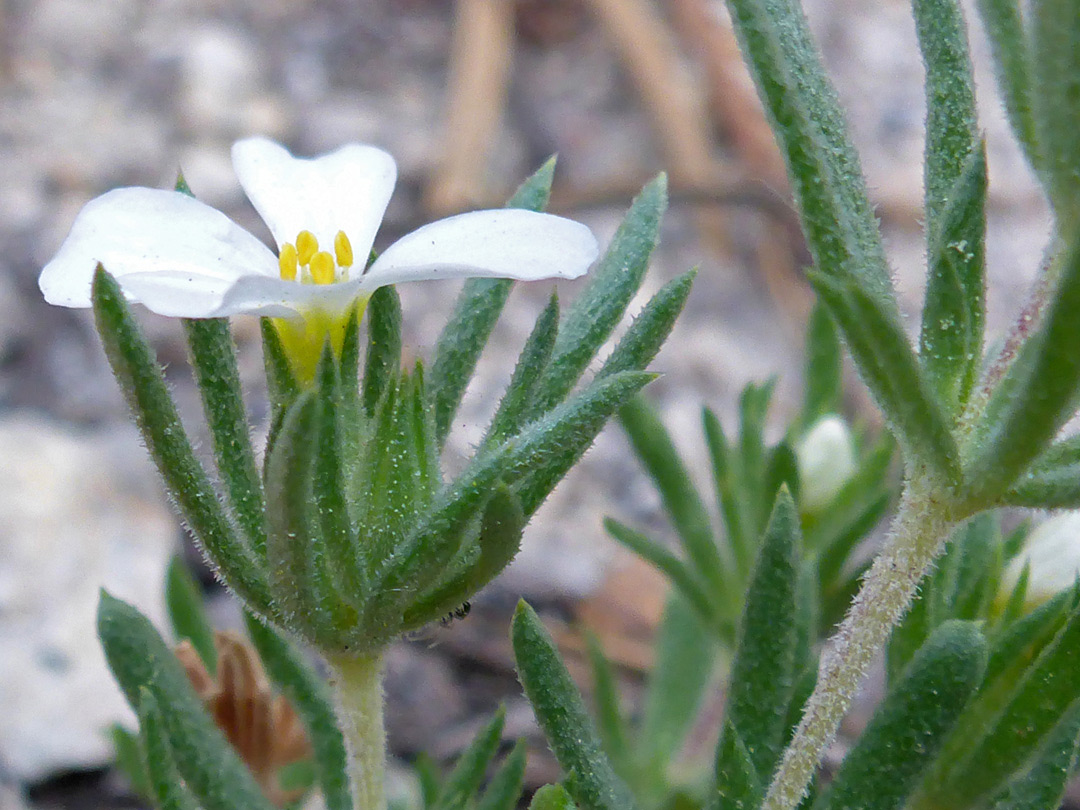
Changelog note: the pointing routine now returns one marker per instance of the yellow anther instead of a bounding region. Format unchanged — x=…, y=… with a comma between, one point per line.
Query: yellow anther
x=343, y=250
x=288, y=262
x=306, y=246
x=322, y=268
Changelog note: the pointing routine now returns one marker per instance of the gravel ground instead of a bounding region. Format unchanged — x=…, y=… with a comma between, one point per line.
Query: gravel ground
x=120, y=92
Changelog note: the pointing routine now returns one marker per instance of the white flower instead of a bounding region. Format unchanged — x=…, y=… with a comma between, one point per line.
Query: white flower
x=1052, y=554
x=826, y=461
x=182, y=258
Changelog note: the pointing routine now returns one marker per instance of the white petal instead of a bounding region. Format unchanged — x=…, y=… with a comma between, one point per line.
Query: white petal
x=347, y=190
x=507, y=243
x=197, y=251
x=259, y=295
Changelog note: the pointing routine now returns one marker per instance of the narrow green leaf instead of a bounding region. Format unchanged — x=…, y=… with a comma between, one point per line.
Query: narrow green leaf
x=130, y=760
x=534, y=193
x=1055, y=97
x=650, y=328
x=681, y=576
x=552, y=797
x=839, y=221
x=682, y=671
x=477, y=308
x=427, y=773
x=823, y=381
x=517, y=401
x=383, y=361
x=728, y=481
x=187, y=613
x=951, y=127
x=310, y=696
x=655, y=449
x=908, y=727
x=561, y=714
x=1042, y=785
x=613, y=730
x=144, y=387
x=600, y=306
x=1034, y=706
x=762, y=674
x=891, y=372
x=950, y=347
x=542, y=454
x=504, y=790
x=1038, y=393
x=464, y=781
x=1052, y=481
x=738, y=786
x=139, y=659
x=168, y=788
x=1004, y=25
x=213, y=359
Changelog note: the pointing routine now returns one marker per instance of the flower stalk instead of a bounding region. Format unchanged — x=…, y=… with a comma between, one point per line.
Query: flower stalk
x=357, y=685
x=918, y=535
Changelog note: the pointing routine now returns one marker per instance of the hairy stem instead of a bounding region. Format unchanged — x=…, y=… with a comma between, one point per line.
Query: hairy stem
x=918, y=534
x=357, y=684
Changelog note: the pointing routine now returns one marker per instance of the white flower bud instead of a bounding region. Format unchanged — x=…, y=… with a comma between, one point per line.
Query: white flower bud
x=1052, y=551
x=826, y=458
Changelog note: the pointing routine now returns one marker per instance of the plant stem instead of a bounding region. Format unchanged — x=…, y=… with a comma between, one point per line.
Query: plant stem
x=918, y=534
x=357, y=684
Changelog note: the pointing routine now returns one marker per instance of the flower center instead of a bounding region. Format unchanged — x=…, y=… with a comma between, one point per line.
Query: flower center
x=303, y=261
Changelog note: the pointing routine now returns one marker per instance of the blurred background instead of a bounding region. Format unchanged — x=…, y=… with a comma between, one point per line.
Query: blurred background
x=470, y=97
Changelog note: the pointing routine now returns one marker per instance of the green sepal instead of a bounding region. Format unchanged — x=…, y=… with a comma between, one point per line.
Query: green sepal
x=1055, y=97
x=504, y=790
x=836, y=214
x=383, y=360
x=498, y=542
x=597, y=310
x=1042, y=785
x=310, y=696
x=655, y=449
x=213, y=359
x=552, y=797
x=281, y=382
x=350, y=359
x=541, y=455
x=682, y=672
x=643, y=339
x=144, y=387
x=891, y=371
x=340, y=546
x=139, y=659
x=300, y=576
x=950, y=345
x=738, y=786
x=187, y=612
x=464, y=781
x=1036, y=396
x=823, y=378
x=516, y=403
x=763, y=672
x=682, y=576
x=167, y=787
x=1004, y=25
x=908, y=727
x=559, y=710
x=534, y=193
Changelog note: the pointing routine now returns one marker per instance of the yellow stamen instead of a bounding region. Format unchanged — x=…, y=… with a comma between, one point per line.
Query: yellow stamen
x=288, y=262
x=343, y=249
x=306, y=246
x=322, y=268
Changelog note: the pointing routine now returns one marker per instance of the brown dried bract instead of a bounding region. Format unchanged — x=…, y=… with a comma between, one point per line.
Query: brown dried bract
x=262, y=727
